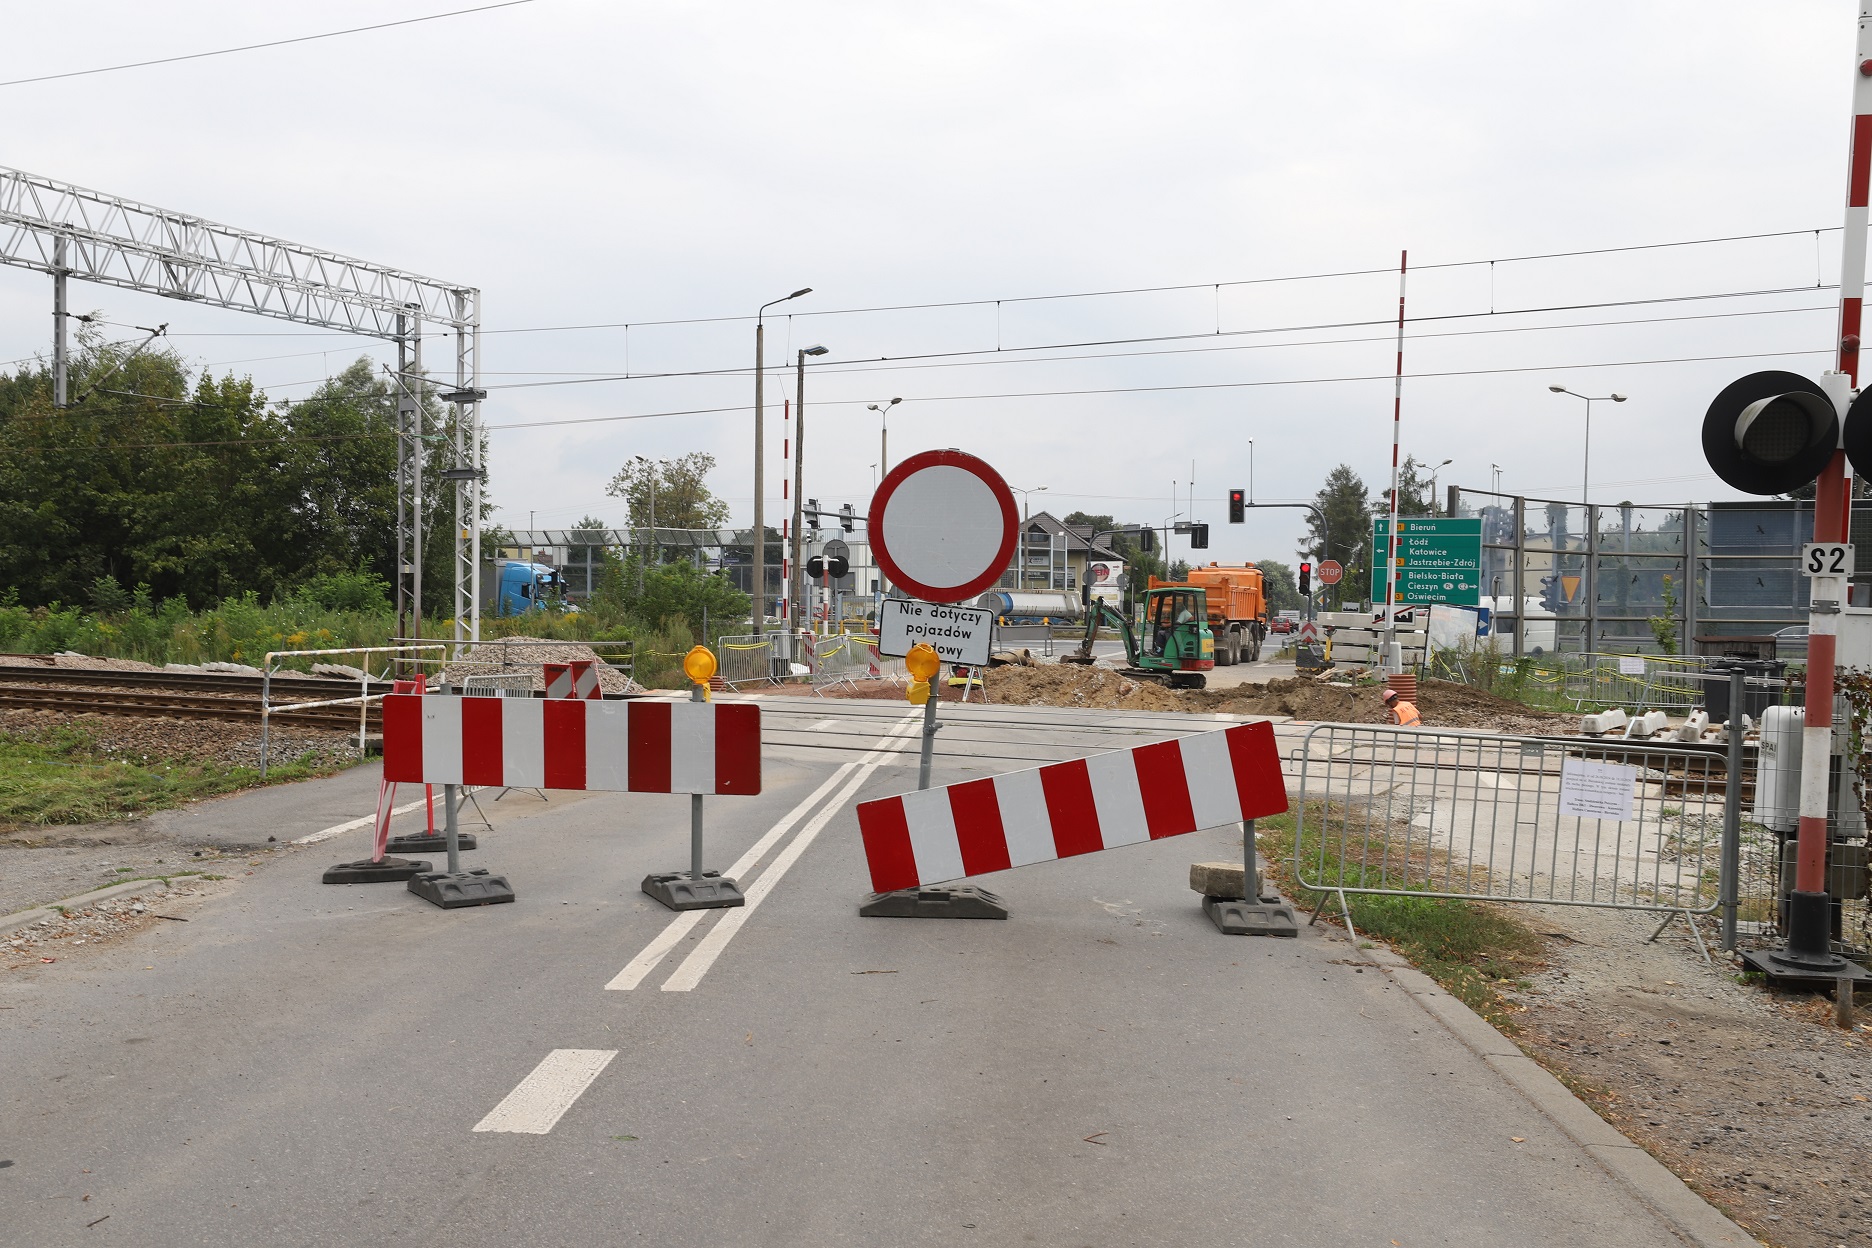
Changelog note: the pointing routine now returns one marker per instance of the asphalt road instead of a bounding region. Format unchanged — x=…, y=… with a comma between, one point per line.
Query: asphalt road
x=308, y=1064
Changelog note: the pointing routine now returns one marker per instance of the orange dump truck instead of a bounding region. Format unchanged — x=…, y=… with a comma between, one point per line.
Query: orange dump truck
x=1238, y=609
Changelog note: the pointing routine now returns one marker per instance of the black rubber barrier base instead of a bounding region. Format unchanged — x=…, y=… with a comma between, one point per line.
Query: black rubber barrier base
x=423, y=843
x=364, y=871
x=1250, y=918
x=679, y=891
x=938, y=901
x=464, y=888
x=1808, y=957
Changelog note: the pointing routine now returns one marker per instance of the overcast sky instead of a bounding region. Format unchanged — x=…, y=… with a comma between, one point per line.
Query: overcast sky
x=586, y=163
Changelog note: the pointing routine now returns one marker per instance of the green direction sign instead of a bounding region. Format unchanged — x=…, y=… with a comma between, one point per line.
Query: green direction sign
x=1439, y=560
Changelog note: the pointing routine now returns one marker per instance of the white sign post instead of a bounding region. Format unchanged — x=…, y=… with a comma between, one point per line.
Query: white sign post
x=958, y=634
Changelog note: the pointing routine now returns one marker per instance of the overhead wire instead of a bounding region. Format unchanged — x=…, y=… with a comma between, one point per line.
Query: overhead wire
x=254, y=47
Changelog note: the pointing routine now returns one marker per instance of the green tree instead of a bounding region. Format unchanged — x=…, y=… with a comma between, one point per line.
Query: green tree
x=1346, y=535
x=675, y=491
x=1281, y=585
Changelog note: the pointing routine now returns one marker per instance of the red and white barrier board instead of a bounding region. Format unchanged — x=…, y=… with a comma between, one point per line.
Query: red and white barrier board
x=638, y=746
x=576, y=679
x=1121, y=798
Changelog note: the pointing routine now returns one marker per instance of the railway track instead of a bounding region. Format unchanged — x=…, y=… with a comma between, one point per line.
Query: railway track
x=178, y=695
x=309, y=688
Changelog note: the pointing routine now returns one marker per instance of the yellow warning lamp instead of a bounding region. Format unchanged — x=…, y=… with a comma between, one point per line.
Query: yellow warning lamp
x=699, y=664
x=918, y=692
x=922, y=662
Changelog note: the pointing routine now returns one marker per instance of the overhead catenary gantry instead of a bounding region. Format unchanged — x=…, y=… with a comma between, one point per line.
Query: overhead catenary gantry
x=67, y=232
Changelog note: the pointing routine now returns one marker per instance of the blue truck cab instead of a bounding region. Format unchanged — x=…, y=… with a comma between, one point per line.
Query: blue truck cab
x=521, y=587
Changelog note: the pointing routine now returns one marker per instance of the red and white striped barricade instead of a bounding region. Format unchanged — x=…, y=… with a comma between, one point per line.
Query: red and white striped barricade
x=380, y=866
x=575, y=679
x=1061, y=810
x=640, y=745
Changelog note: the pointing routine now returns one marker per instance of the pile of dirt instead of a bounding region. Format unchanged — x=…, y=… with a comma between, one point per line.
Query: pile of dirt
x=1442, y=703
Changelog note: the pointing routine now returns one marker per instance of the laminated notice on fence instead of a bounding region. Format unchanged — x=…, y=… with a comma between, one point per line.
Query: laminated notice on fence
x=1596, y=790
x=1631, y=665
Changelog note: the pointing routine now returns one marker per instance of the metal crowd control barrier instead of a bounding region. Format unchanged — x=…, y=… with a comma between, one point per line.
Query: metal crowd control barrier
x=402, y=654
x=746, y=660
x=1615, y=824
x=498, y=685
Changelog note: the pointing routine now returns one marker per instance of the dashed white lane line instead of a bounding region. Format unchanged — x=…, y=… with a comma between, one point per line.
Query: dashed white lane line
x=680, y=926
x=703, y=956
x=338, y=829
x=543, y=1097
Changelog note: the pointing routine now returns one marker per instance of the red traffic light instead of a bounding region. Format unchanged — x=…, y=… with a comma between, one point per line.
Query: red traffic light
x=1238, y=506
x=1306, y=578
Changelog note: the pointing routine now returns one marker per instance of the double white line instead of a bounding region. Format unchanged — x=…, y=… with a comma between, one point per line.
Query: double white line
x=850, y=776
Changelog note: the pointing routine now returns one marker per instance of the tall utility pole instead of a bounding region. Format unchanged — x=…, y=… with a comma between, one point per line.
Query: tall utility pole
x=59, y=317
x=410, y=460
x=796, y=591
x=466, y=471
x=1392, y=664
x=760, y=459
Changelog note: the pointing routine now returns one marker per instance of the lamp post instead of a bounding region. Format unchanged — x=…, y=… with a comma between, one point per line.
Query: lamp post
x=1586, y=455
x=883, y=411
x=797, y=587
x=1251, y=471
x=760, y=461
x=1433, y=476
x=1021, y=547
x=1495, y=480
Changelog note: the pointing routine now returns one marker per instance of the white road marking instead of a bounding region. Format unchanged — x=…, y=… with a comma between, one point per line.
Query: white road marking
x=822, y=724
x=338, y=829
x=543, y=1097
x=703, y=956
x=654, y=952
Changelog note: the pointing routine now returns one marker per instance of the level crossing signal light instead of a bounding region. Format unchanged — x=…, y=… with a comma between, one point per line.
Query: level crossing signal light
x=846, y=518
x=1306, y=579
x=812, y=513
x=1199, y=537
x=1238, y=506
x=1773, y=431
x=818, y=566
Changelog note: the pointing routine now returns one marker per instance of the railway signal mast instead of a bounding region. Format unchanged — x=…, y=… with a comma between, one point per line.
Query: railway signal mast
x=1771, y=432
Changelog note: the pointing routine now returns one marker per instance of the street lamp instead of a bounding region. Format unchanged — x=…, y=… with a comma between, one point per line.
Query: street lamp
x=1586, y=455
x=797, y=589
x=1251, y=472
x=1022, y=547
x=1495, y=479
x=1433, y=476
x=883, y=411
x=760, y=460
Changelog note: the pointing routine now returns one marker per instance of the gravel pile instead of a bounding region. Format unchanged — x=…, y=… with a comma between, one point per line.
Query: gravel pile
x=523, y=655
x=74, y=930
x=76, y=662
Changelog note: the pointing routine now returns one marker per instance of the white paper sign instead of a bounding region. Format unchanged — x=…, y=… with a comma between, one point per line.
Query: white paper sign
x=1631, y=665
x=1596, y=790
x=959, y=634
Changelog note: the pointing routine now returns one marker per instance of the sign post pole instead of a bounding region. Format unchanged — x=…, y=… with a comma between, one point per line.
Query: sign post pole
x=943, y=527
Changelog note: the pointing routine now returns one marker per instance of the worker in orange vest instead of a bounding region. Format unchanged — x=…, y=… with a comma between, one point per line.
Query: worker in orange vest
x=1402, y=712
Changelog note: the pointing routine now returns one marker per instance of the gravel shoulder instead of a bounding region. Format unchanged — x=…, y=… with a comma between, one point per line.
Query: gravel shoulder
x=1754, y=1098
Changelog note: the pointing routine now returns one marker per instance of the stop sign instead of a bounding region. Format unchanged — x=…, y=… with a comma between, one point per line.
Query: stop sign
x=1331, y=572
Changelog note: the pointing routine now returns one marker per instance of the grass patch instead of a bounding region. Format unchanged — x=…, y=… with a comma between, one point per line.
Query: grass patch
x=59, y=777
x=1473, y=949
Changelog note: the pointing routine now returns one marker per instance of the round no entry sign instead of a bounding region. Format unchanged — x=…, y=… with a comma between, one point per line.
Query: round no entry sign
x=943, y=526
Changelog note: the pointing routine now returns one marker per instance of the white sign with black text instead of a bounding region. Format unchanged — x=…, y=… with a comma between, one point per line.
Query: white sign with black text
x=959, y=634
x=1590, y=790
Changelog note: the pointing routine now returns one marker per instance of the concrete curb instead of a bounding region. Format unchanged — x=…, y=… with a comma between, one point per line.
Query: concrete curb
x=1691, y=1216
x=26, y=918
